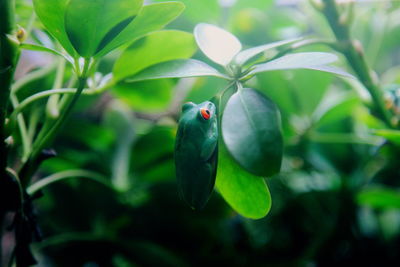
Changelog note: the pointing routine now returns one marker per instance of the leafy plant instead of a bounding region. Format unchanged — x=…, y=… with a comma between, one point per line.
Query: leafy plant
x=258, y=146
x=97, y=95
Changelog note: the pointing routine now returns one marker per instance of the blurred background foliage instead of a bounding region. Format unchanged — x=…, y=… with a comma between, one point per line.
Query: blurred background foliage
x=336, y=200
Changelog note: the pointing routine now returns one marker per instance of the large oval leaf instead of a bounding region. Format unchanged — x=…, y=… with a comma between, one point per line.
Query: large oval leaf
x=251, y=128
x=51, y=13
x=154, y=48
x=217, y=44
x=244, y=192
x=152, y=17
x=91, y=25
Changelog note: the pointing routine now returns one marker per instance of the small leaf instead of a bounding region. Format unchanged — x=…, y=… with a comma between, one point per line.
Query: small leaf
x=217, y=44
x=379, y=197
x=180, y=68
x=40, y=48
x=243, y=56
x=308, y=60
x=151, y=18
x=88, y=23
x=51, y=13
x=244, y=192
x=154, y=48
x=251, y=128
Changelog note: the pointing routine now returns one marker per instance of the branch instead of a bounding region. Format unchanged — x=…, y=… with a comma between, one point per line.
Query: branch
x=354, y=54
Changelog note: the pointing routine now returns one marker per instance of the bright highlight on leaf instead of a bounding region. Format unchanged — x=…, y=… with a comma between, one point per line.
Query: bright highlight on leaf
x=217, y=44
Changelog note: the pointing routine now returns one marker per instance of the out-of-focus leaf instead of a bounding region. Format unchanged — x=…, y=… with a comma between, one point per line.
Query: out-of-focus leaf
x=51, y=13
x=151, y=18
x=217, y=44
x=391, y=135
x=152, y=154
x=335, y=107
x=243, y=56
x=91, y=25
x=180, y=68
x=379, y=197
x=306, y=60
x=251, y=129
x=154, y=48
x=120, y=119
x=145, y=96
x=244, y=192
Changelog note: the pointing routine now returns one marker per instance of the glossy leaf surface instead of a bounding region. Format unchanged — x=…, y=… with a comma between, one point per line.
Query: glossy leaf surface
x=154, y=48
x=247, y=194
x=91, y=25
x=251, y=129
x=51, y=13
x=306, y=60
x=180, y=68
x=217, y=44
x=151, y=18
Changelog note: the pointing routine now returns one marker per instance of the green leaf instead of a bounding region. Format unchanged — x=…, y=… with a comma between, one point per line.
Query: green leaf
x=243, y=56
x=151, y=18
x=40, y=48
x=379, y=197
x=244, y=192
x=91, y=25
x=335, y=107
x=307, y=60
x=154, y=48
x=251, y=128
x=390, y=135
x=51, y=13
x=180, y=68
x=217, y=44
x=146, y=96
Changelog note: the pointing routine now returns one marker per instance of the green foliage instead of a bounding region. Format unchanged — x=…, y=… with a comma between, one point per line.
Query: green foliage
x=103, y=85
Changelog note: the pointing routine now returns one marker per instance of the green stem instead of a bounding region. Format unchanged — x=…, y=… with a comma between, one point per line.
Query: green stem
x=26, y=140
x=8, y=57
x=64, y=175
x=52, y=107
x=355, y=56
x=50, y=132
x=31, y=99
x=30, y=77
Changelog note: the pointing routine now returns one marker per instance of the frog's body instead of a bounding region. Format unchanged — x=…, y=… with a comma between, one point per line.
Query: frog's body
x=196, y=152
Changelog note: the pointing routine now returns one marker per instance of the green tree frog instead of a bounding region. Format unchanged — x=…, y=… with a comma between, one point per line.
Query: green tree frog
x=196, y=150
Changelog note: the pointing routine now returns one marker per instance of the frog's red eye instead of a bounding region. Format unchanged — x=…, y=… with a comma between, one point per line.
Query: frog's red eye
x=205, y=113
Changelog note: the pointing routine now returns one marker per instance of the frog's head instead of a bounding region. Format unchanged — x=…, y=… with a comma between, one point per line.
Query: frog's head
x=204, y=112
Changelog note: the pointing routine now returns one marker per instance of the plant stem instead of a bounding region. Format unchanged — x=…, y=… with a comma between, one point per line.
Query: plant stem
x=68, y=174
x=8, y=58
x=44, y=139
x=355, y=56
x=26, y=141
